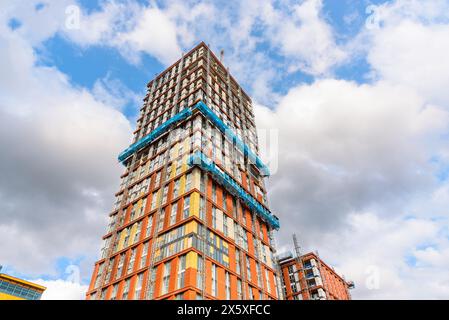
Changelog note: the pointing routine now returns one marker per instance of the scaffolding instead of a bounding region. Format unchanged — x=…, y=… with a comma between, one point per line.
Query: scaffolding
x=199, y=159
x=142, y=143
x=206, y=111
x=300, y=265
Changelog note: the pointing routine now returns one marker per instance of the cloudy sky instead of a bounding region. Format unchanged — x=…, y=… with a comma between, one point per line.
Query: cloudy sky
x=357, y=91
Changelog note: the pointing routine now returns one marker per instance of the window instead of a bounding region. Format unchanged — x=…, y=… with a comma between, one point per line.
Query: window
x=151, y=286
x=234, y=208
x=166, y=277
x=225, y=225
x=245, y=239
x=202, y=183
x=255, y=247
x=149, y=226
x=174, y=210
x=181, y=271
x=214, y=192
x=120, y=266
x=157, y=180
x=171, y=154
x=104, y=249
x=237, y=261
x=227, y=286
x=112, y=222
x=99, y=274
x=160, y=225
x=109, y=272
x=126, y=290
x=176, y=188
x=178, y=167
x=186, y=209
x=138, y=288
x=164, y=195
x=248, y=268
x=202, y=208
x=259, y=275
x=199, y=275
x=168, y=173
x=188, y=182
x=102, y=296
x=214, y=280
x=239, y=289
x=125, y=241
x=143, y=259
x=114, y=292
x=137, y=234
x=20, y=291
x=225, y=205
x=214, y=218
x=142, y=171
x=264, y=254
x=250, y=291
x=267, y=281
x=154, y=200
x=133, y=212
x=131, y=260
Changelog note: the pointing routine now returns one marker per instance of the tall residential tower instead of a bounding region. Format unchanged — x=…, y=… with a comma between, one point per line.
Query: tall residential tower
x=191, y=220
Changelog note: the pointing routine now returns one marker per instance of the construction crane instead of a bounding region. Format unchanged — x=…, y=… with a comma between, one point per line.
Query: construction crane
x=302, y=277
x=297, y=247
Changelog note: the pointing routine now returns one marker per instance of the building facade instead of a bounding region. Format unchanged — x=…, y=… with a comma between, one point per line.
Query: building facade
x=12, y=288
x=310, y=278
x=191, y=219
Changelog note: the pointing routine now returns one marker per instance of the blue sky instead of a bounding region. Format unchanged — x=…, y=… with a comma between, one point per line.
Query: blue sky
x=361, y=112
x=85, y=65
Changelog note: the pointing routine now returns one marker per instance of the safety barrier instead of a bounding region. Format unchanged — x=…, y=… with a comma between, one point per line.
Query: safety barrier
x=206, y=111
x=199, y=159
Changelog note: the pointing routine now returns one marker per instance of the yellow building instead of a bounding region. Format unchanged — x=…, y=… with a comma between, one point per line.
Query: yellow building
x=12, y=288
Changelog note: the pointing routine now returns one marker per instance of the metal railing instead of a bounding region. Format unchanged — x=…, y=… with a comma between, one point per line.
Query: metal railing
x=206, y=111
x=199, y=159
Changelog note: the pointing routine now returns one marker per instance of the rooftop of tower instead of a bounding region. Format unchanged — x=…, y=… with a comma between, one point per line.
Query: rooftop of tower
x=201, y=44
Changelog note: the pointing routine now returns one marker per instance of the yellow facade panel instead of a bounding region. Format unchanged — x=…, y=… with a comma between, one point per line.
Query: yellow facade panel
x=194, y=204
x=182, y=186
x=4, y=296
x=122, y=239
x=192, y=260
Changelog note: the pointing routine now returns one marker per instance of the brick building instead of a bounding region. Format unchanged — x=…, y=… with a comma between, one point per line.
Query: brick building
x=310, y=278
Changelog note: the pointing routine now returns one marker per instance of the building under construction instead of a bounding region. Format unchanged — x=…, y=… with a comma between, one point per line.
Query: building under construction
x=191, y=218
x=308, y=277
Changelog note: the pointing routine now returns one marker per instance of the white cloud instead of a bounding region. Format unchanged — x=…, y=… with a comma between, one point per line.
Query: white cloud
x=155, y=34
x=354, y=165
x=128, y=26
x=305, y=37
x=355, y=178
x=389, y=248
x=414, y=54
x=36, y=25
x=102, y=26
x=62, y=290
x=352, y=145
x=58, y=162
x=113, y=92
